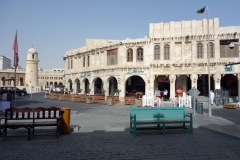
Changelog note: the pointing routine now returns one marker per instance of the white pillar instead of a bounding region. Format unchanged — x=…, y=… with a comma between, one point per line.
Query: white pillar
x=194, y=78
x=172, y=79
x=217, y=81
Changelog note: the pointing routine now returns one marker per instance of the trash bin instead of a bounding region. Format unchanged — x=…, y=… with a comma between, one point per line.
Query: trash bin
x=65, y=126
x=200, y=108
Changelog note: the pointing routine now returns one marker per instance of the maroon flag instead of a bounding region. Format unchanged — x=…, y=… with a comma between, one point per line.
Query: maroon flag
x=15, y=48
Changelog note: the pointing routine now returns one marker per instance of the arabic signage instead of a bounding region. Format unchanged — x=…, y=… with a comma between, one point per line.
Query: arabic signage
x=229, y=69
x=85, y=75
x=135, y=71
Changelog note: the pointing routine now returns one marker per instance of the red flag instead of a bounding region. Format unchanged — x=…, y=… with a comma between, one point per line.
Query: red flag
x=15, y=48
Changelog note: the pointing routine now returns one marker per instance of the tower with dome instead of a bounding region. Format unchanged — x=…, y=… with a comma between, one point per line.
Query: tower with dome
x=31, y=76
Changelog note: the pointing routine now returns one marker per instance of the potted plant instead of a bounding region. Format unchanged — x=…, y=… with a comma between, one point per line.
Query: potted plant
x=103, y=91
x=138, y=101
x=89, y=99
x=110, y=100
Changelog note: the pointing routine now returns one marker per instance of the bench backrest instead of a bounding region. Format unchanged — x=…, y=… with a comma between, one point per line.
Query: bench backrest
x=157, y=112
x=32, y=113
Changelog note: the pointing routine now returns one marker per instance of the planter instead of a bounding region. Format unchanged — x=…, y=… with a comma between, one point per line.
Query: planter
x=110, y=102
x=61, y=97
x=88, y=100
x=138, y=103
x=52, y=96
x=73, y=98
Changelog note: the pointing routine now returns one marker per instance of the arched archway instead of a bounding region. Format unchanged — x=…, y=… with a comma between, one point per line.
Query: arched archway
x=184, y=82
x=69, y=84
x=97, y=85
x=229, y=82
x=86, y=87
x=202, y=84
x=21, y=81
x=55, y=83
x=112, y=85
x=134, y=84
x=3, y=81
x=76, y=86
x=162, y=82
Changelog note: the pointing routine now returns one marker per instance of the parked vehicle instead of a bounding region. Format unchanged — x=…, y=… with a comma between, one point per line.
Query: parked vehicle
x=19, y=92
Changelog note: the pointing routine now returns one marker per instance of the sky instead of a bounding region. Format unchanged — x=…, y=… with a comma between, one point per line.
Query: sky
x=54, y=27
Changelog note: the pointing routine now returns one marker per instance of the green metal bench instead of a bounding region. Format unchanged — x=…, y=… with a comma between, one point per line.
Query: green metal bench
x=159, y=116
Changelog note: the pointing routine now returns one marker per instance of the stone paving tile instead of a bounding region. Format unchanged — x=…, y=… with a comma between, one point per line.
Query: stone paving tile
x=97, y=140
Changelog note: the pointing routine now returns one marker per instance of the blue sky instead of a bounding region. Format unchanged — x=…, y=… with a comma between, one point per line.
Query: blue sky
x=56, y=26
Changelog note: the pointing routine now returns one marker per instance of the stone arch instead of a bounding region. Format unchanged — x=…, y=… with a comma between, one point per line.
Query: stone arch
x=76, y=86
x=135, y=84
x=21, y=81
x=86, y=86
x=3, y=81
x=229, y=82
x=69, y=84
x=112, y=85
x=97, y=85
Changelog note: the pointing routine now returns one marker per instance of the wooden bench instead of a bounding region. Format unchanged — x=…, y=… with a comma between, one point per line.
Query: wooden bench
x=98, y=99
x=30, y=118
x=129, y=100
x=157, y=116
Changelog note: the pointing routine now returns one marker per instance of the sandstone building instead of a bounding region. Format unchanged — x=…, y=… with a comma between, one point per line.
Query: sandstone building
x=173, y=55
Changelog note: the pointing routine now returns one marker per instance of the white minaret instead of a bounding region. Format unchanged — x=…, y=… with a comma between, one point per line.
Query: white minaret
x=31, y=76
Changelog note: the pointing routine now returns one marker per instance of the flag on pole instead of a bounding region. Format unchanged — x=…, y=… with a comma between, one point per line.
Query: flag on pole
x=15, y=48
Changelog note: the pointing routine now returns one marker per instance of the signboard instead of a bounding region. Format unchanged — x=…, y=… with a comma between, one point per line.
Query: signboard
x=229, y=69
x=135, y=71
x=85, y=75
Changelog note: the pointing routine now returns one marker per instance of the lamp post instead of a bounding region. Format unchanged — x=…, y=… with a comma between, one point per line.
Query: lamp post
x=202, y=10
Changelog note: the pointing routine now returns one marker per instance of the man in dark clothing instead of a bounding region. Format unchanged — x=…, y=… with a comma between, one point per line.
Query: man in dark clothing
x=9, y=97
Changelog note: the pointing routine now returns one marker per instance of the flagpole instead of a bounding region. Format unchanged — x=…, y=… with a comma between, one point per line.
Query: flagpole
x=15, y=48
x=14, y=105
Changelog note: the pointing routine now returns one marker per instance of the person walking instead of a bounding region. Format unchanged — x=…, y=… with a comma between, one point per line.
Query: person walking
x=30, y=91
x=212, y=96
x=165, y=92
x=9, y=97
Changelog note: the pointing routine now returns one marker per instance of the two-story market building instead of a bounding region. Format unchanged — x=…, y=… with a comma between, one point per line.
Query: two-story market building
x=173, y=55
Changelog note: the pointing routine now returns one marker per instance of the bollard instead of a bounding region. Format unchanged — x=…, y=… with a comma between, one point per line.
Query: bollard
x=200, y=108
x=65, y=126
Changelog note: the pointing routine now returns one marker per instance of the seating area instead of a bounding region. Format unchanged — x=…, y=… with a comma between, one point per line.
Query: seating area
x=159, y=118
x=30, y=118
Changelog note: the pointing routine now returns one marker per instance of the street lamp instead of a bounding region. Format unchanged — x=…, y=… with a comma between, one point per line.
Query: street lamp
x=202, y=10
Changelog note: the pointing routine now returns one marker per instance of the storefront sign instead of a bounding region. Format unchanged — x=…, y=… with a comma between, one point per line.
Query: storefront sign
x=135, y=71
x=229, y=69
x=85, y=75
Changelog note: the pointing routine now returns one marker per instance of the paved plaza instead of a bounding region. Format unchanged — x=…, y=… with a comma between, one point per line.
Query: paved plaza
x=104, y=134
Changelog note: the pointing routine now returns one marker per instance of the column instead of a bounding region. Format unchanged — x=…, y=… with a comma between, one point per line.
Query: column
x=217, y=81
x=238, y=76
x=194, y=78
x=172, y=79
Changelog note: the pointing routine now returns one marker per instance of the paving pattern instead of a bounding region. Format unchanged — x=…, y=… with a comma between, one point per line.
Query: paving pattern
x=104, y=134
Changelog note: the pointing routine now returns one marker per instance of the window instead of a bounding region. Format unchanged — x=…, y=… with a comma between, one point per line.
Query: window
x=68, y=64
x=71, y=63
x=166, y=52
x=199, y=50
x=32, y=56
x=157, y=52
x=83, y=61
x=88, y=61
x=129, y=55
x=112, y=57
x=211, y=49
x=140, y=54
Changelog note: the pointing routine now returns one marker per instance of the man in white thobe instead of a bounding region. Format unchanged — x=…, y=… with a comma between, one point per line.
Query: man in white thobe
x=30, y=91
x=212, y=96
